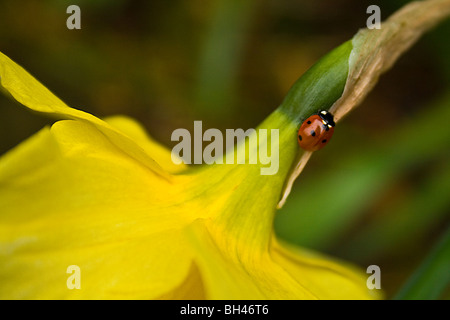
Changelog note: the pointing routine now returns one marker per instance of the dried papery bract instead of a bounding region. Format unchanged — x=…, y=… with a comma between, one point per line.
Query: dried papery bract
x=301, y=163
x=374, y=52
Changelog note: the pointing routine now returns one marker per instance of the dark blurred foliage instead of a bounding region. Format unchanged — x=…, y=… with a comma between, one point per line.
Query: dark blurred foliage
x=229, y=63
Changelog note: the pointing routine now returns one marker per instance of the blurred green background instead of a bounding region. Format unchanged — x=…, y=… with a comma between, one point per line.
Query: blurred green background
x=378, y=194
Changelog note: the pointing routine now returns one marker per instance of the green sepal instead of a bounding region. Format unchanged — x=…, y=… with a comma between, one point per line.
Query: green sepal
x=320, y=86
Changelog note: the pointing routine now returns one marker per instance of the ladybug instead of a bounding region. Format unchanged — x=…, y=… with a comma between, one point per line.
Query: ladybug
x=316, y=131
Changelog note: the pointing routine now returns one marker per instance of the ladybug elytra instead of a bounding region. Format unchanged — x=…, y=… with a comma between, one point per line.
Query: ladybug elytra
x=316, y=131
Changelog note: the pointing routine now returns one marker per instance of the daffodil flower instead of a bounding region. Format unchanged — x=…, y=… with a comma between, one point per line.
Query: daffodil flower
x=103, y=196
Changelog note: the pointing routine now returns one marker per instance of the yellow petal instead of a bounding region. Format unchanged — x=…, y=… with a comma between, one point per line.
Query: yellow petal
x=284, y=272
x=33, y=95
x=225, y=277
x=191, y=289
x=82, y=201
x=137, y=133
x=325, y=278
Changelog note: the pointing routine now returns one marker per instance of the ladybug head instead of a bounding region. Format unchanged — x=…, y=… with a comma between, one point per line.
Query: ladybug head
x=327, y=118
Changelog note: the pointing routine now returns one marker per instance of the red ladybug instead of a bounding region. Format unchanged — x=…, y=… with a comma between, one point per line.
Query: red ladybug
x=316, y=131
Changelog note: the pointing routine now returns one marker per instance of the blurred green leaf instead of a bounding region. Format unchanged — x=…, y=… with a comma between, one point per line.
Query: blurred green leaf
x=221, y=55
x=405, y=223
x=432, y=277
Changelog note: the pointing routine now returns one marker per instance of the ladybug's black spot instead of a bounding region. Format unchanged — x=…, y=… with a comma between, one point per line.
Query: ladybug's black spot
x=308, y=122
x=313, y=133
x=324, y=140
x=300, y=137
